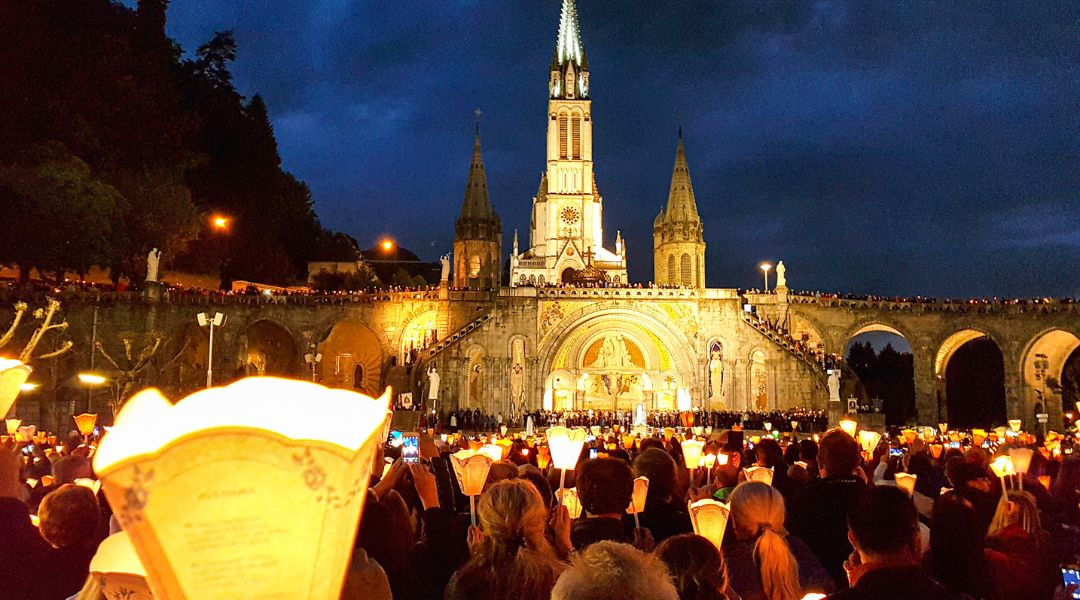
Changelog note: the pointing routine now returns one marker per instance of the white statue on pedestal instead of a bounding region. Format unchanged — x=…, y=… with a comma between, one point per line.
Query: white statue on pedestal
x=152, y=261
x=445, y=260
x=433, y=383
x=781, y=278
x=834, y=385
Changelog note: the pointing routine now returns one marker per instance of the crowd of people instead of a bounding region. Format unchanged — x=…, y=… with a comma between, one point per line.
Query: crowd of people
x=831, y=522
x=802, y=420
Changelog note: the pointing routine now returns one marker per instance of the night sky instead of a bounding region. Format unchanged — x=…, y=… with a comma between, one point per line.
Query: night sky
x=876, y=147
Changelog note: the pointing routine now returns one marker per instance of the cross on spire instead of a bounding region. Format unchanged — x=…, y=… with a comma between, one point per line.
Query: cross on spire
x=478, y=112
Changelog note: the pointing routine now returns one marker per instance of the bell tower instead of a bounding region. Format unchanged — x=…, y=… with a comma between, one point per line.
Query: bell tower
x=477, y=232
x=678, y=244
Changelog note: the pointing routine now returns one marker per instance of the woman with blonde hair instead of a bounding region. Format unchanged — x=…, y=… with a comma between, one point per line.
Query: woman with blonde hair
x=764, y=562
x=511, y=557
x=1017, y=532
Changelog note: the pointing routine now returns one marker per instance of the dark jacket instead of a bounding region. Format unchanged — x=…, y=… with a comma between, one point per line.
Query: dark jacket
x=819, y=517
x=664, y=519
x=589, y=531
x=901, y=583
x=441, y=550
x=744, y=575
x=22, y=551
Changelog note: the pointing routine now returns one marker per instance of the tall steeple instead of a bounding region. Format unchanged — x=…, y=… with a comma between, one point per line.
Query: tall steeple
x=478, y=232
x=678, y=243
x=569, y=66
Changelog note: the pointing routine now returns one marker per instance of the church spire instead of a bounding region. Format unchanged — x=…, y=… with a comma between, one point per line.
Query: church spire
x=681, y=206
x=569, y=65
x=476, y=204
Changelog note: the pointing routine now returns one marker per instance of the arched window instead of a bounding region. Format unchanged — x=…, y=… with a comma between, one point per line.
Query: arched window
x=562, y=136
x=685, y=268
x=577, y=136
x=474, y=266
x=540, y=281
x=671, y=278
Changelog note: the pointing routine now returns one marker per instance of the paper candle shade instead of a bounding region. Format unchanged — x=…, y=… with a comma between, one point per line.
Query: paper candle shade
x=722, y=459
x=475, y=445
x=641, y=492
x=1045, y=481
x=117, y=569
x=543, y=459
x=1021, y=458
x=698, y=430
x=868, y=440
x=1015, y=425
x=943, y=427
x=1000, y=431
x=709, y=518
x=768, y=426
x=909, y=436
x=935, y=450
x=802, y=464
x=471, y=471
x=794, y=425
x=708, y=461
x=91, y=484
x=568, y=497
x=978, y=436
x=565, y=445
x=628, y=441
x=761, y=474
x=26, y=433
x=848, y=426
x=929, y=434
x=12, y=425
x=668, y=433
x=906, y=482
x=492, y=451
x=504, y=444
x=691, y=451
x=13, y=374
x=954, y=436
x=594, y=430
x=201, y=486
x=1003, y=466
x=85, y=423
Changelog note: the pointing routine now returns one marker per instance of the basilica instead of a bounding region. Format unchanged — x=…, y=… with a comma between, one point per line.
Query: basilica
x=570, y=331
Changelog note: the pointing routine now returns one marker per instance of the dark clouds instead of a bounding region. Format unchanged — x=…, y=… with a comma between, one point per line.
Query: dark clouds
x=885, y=147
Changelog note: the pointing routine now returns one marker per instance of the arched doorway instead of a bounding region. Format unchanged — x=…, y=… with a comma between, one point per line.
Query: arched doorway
x=270, y=350
x=882, y=358
x=971, y=367
x=1051, y=371
x=759, y=382
x=352, y=358
x=419, y=333
x=567, y=274
x=185, y=354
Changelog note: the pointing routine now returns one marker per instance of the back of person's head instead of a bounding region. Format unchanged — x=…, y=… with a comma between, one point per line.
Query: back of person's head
x=70, y=468
x=696, y=567
x=659, y=467
x=69, y=517
x=768, y=452
x=883, y=521
x=757, y=513
x=513, y=558
x=605, y=485
x=608, y=571
x=961, y=474
x=650, y=442
x=1020, y=510
x=957, y=558
x=500, y=471
x=838, y=454
x=808, y=450
x=541, y=484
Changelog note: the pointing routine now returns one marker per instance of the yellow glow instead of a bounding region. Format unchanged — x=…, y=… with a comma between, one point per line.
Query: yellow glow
x=85, y=423
x=1002, y=466
x=641, y=492
x=565, y=445
x=906, y=482
x=869, y=440
x=1015, y=425
x=709, y=518
x=691, y=451
x=978, y=436
x=568, y=497
x=13, y=374
x=765, y=266
x=91, y=378
x=471, y=470
x=220, y=222
x=760, y=474
x=708, y=461
x=1021, y=458
x=13, y=425
x=387, y=245
x=492, y=451
x=849, y=426
x=28, y=387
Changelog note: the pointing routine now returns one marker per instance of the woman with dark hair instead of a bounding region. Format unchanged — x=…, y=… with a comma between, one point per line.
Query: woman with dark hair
x=1066, y=492
x=697, y=567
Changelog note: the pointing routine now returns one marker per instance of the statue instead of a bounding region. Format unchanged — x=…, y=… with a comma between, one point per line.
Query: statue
x=433, y=384
x=152, y=261
x=781, y=278
x=517, y=374
x=476, y=386
x=834, y=385
x=716, y=375
x=445, y=260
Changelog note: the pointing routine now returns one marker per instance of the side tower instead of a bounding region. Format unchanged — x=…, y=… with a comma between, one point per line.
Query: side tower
x=678, y=245
x=477, y=232
x=566, y=232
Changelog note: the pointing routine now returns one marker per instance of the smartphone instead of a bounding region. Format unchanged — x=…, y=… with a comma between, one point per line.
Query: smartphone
x=592, y=452
x=954, y=444
x=1070, y=575
x=28, y=449
x=896, y=451
x=410, y=448
x=97, y=431
x=395, y=438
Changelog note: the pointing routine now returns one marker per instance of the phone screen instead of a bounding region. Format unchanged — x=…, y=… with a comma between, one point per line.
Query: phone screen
x=896, y=451
x=1070, y=575
x=592, y=452
x=395, y=438
x=410, y=448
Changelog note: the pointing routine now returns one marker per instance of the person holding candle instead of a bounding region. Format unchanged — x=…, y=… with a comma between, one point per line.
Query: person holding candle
x=697, y=567
x=664, y=514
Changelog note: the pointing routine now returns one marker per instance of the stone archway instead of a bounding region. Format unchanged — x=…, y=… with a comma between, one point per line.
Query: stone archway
x=1042, y=368
x=418, y=333
x=352, y=358
x=883, y=358
x=969, y=366
x=270, y=350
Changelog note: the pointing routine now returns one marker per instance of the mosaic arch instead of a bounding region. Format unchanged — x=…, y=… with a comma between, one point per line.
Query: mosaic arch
x=617, y=360
x=418, y=333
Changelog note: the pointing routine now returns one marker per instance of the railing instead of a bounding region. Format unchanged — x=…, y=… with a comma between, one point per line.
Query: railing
x=455, y=337
x=782, y=338
x=928, y=305
x=89, y=296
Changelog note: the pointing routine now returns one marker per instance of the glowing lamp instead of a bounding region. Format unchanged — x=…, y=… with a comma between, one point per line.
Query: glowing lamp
x=471, y=470
x=27, y=433
x=943, y=427
x=768, y=426
x=869, y=440
x=935, y=450
x=91, y=378
x=929, y=434
x=28, y=387
x=641, y=492
x=848, y=426
x=628, y=441
x=387, y=245
x=117, y=570
x=722, y=459
x=691, y=451
x=542, y=461
x=759, y=474
x=910, y=435
x=568, y=497
x=709, y=518
x=85, y=423
x=1015, y=424
x=232, y=457
x=565, y=445
x=12, y=425
x=1045, y=481
x=794, y=425
x=611, y=446
x=814, y=596
x=1021, y=459
x=91, y=484
x=13, y=374
x=954, y=436
x=698, y=430
x=504, y=444
x=475, y=445
x=978, y=436
x=1003, y=466
x=708, y=461
x=1000, y=431
x=595, y=430
x=492, y=451
x=802, y=464
x=668, y=433
x=906, y=482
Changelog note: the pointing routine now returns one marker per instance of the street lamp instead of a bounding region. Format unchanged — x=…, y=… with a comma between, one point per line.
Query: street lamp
x=215, y=320
x=220, y=222
x=387, y=245
x=765, y=269
x=313, y=359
